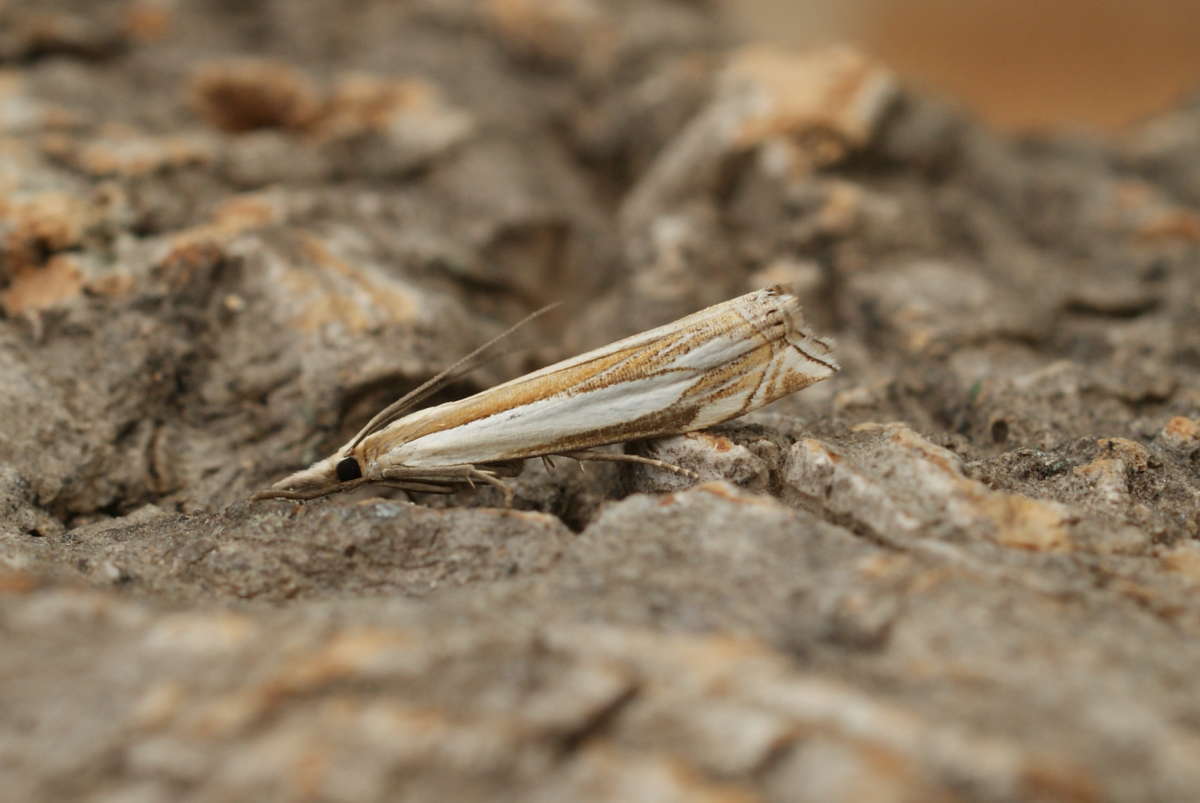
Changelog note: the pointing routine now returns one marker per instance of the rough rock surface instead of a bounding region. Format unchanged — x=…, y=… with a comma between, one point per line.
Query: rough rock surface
x=966, y=568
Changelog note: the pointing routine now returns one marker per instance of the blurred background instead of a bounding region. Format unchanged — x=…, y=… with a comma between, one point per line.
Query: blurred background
x=1019, y=64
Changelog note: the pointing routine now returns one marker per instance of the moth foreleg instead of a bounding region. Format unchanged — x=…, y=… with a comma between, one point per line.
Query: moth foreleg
x=619, y=457
x=420, y=487
x=446, y=475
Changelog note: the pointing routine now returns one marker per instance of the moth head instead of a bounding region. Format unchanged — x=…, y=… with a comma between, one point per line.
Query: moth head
x=336, y=473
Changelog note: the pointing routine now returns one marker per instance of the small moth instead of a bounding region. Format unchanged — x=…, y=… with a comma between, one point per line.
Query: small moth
x=711, y=366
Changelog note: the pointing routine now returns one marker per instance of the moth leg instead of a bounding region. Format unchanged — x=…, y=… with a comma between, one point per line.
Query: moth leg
x=547, y=462
x=420, y=487
x=446, y=475
x=440, y=476
x=618, y=457
x=494, y=481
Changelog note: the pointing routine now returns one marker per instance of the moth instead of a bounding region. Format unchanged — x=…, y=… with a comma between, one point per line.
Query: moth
x=711, y=366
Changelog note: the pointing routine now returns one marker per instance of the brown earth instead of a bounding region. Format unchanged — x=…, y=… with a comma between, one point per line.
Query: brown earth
x=966, y=568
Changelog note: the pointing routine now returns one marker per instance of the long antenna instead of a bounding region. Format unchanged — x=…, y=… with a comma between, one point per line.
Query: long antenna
x=435, y=383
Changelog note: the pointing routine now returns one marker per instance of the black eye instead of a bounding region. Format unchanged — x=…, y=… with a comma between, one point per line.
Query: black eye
x=348, y=469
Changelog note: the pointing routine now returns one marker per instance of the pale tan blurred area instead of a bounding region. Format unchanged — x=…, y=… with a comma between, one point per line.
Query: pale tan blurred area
x=1020, y=64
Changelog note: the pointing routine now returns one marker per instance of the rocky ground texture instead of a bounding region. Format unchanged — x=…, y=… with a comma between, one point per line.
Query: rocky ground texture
x=966, y=568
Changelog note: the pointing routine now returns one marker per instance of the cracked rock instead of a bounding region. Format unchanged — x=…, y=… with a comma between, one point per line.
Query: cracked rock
x=963, y=568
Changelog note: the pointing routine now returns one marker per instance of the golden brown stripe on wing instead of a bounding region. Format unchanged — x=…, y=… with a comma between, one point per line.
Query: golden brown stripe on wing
x=638, y=363
x=491, y=402
x=722, y=382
